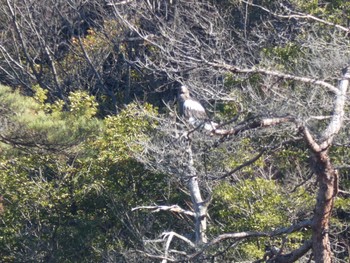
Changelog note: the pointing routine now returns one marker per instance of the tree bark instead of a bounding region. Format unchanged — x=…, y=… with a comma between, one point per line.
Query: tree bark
x=327, y=182
x=327, y=175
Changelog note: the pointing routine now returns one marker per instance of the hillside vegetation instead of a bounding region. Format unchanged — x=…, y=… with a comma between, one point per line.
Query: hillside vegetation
x=98, y=165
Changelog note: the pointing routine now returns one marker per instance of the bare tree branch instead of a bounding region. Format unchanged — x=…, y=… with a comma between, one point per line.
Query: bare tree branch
x=294, y=255
x=299, y=15
x=156, y=256
x=250, y=234
x=314, y=146
x=169, y=236
x=344, y=192
x=234, y=69
x=337, y=118
x=22, y=41
x=172, y=208
x=259, y=122
x=120, y=3
x=245, y=164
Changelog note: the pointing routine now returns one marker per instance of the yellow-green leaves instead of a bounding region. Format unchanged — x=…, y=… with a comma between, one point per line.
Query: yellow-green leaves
x=82, y=104
x=125, y=133
x=81, y=183
x=258, y=205
x=36, y=123
x=256, y=201
x=40, y=94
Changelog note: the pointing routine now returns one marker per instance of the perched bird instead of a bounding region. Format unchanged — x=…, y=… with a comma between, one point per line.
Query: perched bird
x=193, y=111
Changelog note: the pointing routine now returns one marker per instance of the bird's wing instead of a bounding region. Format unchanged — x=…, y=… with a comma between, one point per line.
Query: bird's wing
x=194, y=109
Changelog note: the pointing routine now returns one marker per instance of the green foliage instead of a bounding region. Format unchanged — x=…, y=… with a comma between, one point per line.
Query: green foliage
x=289, y=156
x=258, y=198
x=82, y=104
x=244, y=152
x=72, y=205
x=40, y=94
x=332, y=9
x=342, y=203
x=257, y=205
x=229, y=110
x=125, y=133
x=286, y=57
x=36, y=123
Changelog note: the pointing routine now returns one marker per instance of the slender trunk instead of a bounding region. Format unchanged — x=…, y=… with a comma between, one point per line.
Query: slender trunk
x=200, y=206
x=200, y=209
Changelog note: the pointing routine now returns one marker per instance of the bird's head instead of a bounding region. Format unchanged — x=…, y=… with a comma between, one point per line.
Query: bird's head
x=184, y=90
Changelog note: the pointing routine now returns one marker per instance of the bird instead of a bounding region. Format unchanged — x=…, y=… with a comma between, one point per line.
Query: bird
x=193, y=111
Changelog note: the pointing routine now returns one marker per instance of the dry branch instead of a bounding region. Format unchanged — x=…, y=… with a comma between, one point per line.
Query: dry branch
x=250, y=234
x=234, y=69
x=239, y=167
x=259, y=123
x=299, y=15
x=172, y=208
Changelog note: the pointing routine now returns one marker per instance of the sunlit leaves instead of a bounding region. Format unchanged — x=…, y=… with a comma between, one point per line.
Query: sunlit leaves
x=124, y=133
x=76, y=195
x=256, y=198
x=258, y=205
x=82, y=104
x=46, y=125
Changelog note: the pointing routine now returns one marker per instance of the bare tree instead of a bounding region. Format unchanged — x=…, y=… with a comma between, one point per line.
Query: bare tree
x=225, y=53
x=63, y=46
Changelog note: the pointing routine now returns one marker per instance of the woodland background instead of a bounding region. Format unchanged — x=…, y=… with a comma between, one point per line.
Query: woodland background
x=94, y=166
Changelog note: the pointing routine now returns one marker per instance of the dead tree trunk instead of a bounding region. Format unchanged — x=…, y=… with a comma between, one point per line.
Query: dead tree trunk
x=200, y=210
x=200, y=206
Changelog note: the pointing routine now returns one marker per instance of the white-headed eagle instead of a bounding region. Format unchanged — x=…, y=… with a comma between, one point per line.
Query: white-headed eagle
x=193, y=111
